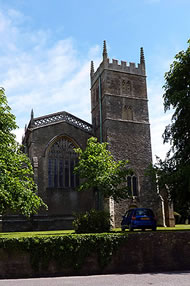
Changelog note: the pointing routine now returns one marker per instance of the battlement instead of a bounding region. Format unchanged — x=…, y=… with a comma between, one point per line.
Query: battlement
x=115, y=65
x=123, y=66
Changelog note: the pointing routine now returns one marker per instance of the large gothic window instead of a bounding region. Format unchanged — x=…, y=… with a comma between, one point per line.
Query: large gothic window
x=61, y=162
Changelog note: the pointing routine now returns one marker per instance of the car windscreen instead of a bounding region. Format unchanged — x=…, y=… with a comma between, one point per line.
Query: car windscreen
x=143, y=212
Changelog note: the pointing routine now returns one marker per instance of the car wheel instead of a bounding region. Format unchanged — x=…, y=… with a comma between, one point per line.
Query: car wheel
x=154, y=228
x=123, y=228
x=130, y=228
x=143, y=229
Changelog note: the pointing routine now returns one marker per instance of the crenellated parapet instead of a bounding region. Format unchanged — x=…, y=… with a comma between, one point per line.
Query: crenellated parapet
x=115, y=65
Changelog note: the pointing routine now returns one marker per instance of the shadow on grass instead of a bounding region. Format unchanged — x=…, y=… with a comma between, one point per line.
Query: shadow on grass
x=183, y=228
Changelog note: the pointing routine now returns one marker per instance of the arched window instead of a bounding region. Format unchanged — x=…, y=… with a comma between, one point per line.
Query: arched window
x=61, y=162
x=132, y=184
x=127, y=113
x=128, y=87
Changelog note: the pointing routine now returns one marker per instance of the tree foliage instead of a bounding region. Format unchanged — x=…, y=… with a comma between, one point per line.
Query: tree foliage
x=174, y=171
x=17, y=188
x=99, y=171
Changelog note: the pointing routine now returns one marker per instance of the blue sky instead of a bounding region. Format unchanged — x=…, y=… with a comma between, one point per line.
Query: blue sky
x=46, y=47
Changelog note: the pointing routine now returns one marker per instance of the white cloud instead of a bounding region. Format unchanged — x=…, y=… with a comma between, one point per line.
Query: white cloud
x=19, y=133
x=16, y=16
x=157, y=129
x=158, y=119
x=40, y=75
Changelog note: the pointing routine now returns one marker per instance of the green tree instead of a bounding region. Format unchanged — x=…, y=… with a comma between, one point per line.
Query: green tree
x=99, y=171
x=174, y=171
x=17, y=188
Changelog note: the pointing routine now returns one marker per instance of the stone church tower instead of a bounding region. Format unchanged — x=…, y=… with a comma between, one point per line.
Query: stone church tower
x=120, y=117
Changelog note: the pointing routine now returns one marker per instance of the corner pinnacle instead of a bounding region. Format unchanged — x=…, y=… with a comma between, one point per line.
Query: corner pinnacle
x=92, y=68
x=105, y=54
x=142, y=60
x=32, y=114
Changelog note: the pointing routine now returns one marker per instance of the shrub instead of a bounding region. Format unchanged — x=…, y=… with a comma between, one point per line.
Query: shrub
x=92, y=222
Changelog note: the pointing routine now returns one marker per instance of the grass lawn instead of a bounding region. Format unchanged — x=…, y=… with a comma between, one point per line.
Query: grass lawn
x=177, y=227
x=36, y=233
x=66, y=232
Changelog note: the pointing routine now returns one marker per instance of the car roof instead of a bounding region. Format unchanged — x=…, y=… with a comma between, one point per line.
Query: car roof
x=139, y=209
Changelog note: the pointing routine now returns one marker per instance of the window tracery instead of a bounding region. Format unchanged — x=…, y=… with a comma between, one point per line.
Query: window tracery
x=61, y=162
x=126, y=87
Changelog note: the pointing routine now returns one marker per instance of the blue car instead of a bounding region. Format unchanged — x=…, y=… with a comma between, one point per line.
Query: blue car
x=140, y=218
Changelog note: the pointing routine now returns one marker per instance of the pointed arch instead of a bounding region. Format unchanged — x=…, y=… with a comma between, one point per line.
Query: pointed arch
x=127, y=113
x=128, y=87
x=61, y=162
x=132, y=184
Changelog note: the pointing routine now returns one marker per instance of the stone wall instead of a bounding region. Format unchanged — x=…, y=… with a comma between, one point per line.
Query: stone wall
x=12, y=223
x=142, y=252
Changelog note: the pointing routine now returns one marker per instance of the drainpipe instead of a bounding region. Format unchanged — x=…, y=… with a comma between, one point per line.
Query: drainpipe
x=100, y=198
x=100, y=107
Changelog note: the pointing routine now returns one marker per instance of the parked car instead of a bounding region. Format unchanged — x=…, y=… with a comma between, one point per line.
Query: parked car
x=140, y=218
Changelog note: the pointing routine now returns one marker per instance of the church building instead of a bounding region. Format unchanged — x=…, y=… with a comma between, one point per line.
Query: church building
x=119, y=108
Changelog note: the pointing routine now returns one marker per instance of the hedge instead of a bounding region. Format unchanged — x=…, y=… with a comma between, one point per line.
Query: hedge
x=67, y=250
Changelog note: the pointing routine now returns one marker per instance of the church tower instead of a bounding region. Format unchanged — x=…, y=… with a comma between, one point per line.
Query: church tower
x=119, y=107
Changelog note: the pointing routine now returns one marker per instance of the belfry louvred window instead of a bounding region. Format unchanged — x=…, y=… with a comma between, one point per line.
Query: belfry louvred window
x=61, y=162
